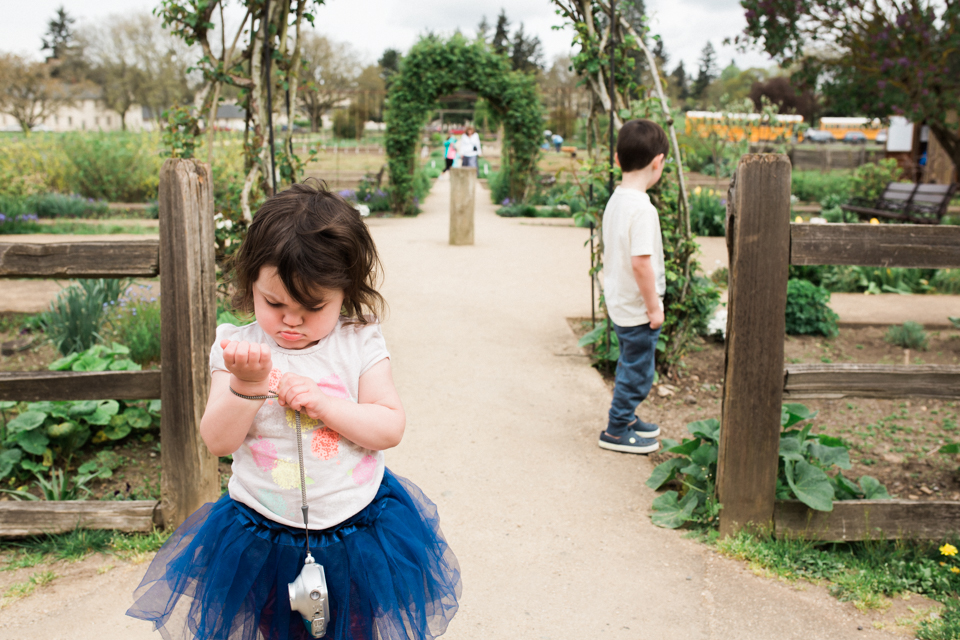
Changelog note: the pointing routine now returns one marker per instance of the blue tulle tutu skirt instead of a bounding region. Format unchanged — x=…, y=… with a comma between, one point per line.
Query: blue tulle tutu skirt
x=224, y=573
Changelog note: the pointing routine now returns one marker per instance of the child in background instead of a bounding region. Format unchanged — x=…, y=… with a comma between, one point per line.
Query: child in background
x=449, y=152
x=634, y=282
x=308, y=269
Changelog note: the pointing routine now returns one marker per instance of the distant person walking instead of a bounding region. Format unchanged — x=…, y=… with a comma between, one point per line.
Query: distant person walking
x=470, y=149
x=557, y=140
x=449, y=151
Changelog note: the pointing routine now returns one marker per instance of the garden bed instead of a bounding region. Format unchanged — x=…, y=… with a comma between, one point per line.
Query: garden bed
x=890, y=440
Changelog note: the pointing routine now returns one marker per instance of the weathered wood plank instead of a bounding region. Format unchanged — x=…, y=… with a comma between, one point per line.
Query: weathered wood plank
x=871, y=381
x=19, y=519
x=853, y=520
x=876, y=245
x=188, y=316
x=758, y=238
x=120, y=259
x=33, y=386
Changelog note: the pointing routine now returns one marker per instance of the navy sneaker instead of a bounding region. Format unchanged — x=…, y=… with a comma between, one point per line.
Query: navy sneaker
x=630, y=442
x=645, y=429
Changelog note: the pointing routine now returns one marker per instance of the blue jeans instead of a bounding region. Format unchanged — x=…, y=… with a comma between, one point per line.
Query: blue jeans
x=635, y=369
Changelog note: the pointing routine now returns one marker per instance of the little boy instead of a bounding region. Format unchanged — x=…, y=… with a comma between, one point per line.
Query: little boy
x=634, y=282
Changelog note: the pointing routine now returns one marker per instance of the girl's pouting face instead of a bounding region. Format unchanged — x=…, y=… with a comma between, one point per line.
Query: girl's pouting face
x=286, y=320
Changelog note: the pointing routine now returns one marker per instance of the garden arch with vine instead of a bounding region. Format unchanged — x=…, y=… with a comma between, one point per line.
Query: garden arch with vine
x=435, y=68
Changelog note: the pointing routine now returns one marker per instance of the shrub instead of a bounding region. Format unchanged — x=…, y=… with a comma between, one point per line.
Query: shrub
x=75, y=318
x=499, y=183
x=816, y=186
x=808, y=311
x=113, y=166
x=134, y=319
x=870, y=179
x=344, y=124
x=24, y=223
x=56, y=205
x=708, y=213
x=909, y=335
x=517, y=210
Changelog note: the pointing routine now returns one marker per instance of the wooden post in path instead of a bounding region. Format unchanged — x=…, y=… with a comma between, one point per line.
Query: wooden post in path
x=188, y=312
x=463, y=189
x=758, y=240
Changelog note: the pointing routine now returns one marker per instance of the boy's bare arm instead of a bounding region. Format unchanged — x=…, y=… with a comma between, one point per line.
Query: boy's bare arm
x=646, y=280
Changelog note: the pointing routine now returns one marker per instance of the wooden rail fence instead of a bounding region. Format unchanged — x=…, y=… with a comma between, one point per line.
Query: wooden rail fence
x=183, y=257
x=762, y=244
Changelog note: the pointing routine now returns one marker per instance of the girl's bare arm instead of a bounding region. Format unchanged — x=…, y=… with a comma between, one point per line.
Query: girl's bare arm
x=228, y=418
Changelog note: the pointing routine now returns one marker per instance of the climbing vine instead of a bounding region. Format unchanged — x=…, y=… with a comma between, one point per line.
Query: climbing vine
x=436, y=67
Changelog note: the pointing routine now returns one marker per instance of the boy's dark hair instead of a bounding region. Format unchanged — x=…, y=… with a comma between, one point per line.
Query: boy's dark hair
x=316, y=240
x=639, y=142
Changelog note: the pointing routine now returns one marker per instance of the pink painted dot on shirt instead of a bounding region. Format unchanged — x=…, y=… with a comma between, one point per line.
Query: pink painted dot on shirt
x=365, y=469
x=333, y=386
x=273, y=382
x=325, y=444
x=264, y=454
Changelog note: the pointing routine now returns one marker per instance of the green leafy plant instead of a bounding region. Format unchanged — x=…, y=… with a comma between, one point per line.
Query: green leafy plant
x=708, y=213
x=17, y=224
x=817, y=186
x=116, y=167
x=57, y=205
x=909, y=335
x=602, y=339
x=134, y=319
x=946, y=281
x=802, y=473
x=58, y=487
x=75, y=318
x=45, y=432
x=954, y=321
x=869, y=180
x=807, y=310
x=180, y=131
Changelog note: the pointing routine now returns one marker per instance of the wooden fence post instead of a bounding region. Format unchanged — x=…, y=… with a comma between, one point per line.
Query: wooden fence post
x=758, y=239
x=188, y=319
x=463, y=184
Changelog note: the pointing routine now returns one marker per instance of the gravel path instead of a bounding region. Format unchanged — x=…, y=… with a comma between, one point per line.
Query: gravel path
x=503, y=413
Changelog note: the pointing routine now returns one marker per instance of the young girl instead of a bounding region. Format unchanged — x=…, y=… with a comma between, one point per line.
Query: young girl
x=308, y=269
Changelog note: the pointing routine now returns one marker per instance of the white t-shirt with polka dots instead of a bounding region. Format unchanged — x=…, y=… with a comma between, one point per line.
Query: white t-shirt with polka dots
x=341, y=477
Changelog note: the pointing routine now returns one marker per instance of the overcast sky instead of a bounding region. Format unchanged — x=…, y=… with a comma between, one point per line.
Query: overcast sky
x=374, y=25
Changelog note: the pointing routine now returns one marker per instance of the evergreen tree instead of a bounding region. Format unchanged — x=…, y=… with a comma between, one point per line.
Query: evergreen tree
x=526, y=53
x=389, y=65
x=707, y=70
x=59, y=37
x=679, y=79
x=501, y=37
x=483, y=29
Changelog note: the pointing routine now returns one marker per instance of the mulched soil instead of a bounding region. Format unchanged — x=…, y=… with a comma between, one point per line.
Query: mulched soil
x=890, y=440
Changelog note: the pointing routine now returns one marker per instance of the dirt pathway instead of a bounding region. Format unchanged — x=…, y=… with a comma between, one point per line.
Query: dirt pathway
x=503, y=412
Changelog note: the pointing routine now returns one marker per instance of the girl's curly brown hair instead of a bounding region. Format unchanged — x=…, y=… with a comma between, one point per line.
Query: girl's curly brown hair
x=316, y=240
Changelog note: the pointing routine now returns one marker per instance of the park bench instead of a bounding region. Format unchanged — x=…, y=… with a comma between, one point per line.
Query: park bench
x=918, y=203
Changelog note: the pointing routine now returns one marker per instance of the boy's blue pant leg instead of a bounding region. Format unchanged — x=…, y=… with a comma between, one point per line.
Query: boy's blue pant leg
x=635, y=369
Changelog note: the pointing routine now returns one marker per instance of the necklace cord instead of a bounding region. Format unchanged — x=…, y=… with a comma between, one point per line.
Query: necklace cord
x=303, y=485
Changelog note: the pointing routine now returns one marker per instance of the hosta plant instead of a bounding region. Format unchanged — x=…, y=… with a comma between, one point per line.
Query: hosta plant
x=804, y=462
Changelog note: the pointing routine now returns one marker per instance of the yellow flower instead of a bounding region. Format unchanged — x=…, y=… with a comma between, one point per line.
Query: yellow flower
x=696, y=191
x=874, y=221
x=798, y=220
x=954, y=569
x=948, y=550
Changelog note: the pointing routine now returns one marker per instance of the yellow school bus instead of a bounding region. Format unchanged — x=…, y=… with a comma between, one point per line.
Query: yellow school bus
x=736, y=126
x=839, y=127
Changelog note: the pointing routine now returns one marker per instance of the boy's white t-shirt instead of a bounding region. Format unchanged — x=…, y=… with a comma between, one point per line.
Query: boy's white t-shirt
x=341, y=477
x=631, y=227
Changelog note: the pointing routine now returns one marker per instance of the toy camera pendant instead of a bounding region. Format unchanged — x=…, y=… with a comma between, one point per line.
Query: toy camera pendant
x=308, y=597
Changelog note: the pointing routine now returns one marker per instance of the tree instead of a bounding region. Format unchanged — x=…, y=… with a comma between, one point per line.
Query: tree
x=706, y=72
x=389, y=65
x=678, y=84
x=371, y=91
x=501, y=35
x=781, y=92
x=890, y=56
x=59, y=36
x=328, y=75
x=526, y=54
x=136, y=63
x=483, y=29
x=563, y=97
x=29, y=93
